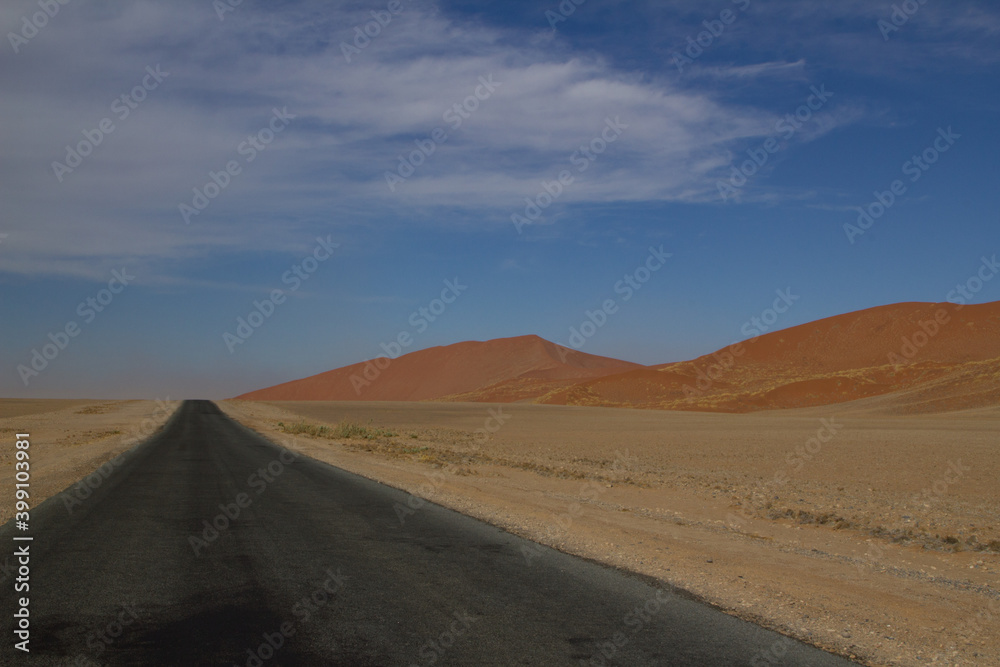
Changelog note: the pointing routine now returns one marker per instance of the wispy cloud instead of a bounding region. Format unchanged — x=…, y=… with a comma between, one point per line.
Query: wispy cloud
x=786, y=70
x=353, y=121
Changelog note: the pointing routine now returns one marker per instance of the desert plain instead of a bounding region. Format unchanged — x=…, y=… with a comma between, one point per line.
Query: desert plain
x=849, y=526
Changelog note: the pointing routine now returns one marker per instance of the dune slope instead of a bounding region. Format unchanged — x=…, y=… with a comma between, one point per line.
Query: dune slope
x=935, y=356
x=526, y=366
x=921, y=357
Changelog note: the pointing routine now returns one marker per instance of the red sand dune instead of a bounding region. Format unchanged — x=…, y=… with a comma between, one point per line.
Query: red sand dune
x=865, y=338
x=857, y=355
x=919, y=356
x=439, y=372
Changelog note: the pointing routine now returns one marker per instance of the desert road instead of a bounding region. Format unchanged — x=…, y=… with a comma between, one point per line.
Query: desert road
x=307, y=564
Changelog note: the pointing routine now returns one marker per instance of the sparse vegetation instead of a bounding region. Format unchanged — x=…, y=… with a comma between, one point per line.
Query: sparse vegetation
x=871, y=526
x=100, y=409
x=348, y=430
x=87, y=437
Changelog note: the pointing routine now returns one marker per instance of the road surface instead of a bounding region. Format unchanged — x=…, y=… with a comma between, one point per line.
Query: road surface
x=211, y=545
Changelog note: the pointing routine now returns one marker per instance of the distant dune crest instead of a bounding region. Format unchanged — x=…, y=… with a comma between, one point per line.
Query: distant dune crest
x=918, y=357
x=438, y=373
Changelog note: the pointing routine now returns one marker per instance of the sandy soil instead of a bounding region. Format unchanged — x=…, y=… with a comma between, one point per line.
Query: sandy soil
x=872, y=535
x=72, y=440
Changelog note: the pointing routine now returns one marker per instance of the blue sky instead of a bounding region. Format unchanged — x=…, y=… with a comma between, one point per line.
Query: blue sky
x=324, y=123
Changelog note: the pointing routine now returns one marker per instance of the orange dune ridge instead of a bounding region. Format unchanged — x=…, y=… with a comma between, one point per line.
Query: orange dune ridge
x=918, y=356
x=529, y=364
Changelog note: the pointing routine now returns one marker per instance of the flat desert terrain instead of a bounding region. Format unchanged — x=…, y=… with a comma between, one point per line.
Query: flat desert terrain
x=75, y=444
x=867, y=533
x=870, y=534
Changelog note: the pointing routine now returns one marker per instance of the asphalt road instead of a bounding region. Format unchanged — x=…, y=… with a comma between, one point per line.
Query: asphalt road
x=317, y=568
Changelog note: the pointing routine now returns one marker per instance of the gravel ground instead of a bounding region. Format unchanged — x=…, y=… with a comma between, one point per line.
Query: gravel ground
x=832, y=541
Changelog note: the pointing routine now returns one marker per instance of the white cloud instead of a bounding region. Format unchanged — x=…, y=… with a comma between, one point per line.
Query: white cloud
x=786, y=70
x=352, y=121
